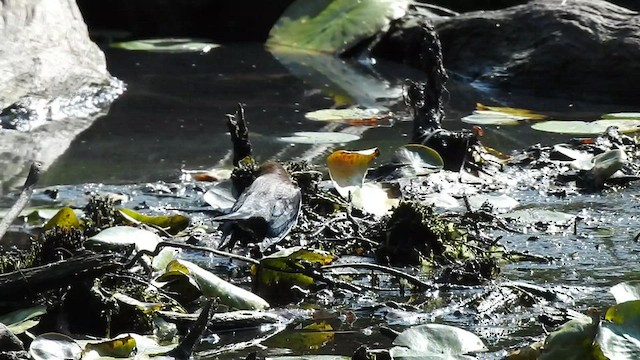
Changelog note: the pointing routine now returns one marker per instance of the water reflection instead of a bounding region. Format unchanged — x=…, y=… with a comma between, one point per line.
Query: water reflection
x=172, y=115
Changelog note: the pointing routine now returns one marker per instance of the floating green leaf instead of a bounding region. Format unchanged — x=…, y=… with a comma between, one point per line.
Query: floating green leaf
x=168, y=45
x=45, y=213
x=54, y=346
x=333, y=26
x=22, y=320
x=171, y=223
x=435, y=340
x=622, y=115
x=65, y=218
x=587, y=128
x=126, y=235
x=318, y=137
x=214, y=287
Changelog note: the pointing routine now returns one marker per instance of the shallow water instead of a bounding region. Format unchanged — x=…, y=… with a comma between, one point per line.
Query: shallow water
x=173, y=116
x=173, y=113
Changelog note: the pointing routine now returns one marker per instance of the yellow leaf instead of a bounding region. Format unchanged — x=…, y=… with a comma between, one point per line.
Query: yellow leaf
x=524, y=113
x=173, y=224
x=65, y=218
x=279, y=268
x=118, y=347
x=626, y=312
x=348, y=168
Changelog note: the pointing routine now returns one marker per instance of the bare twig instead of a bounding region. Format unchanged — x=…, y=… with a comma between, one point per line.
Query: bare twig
x=23, y=199
x=412, y=279
x=164, y=244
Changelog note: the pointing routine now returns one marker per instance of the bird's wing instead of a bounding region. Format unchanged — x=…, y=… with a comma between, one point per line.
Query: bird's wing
x=246, y=206
x=284, y=214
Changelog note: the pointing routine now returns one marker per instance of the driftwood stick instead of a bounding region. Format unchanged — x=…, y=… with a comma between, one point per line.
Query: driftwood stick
x=239, y=135
x=184, y=350
x=23, y=199
x=58, y=274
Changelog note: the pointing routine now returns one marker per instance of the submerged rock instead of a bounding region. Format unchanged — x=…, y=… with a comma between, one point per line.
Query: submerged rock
x=572, y=49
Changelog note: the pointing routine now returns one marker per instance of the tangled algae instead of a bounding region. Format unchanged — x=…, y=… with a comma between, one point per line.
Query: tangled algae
x=414, y=234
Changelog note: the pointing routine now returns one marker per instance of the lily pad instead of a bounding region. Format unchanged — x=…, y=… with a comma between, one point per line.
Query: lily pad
x=517, y=112
x=436, y=340
x=351, y=115
x=168, y=45
x=54, y=346
x=587, y=128
x=494, y=115
x=318, y=137
x=333, y=26
x=126, y=235
x=622, y=115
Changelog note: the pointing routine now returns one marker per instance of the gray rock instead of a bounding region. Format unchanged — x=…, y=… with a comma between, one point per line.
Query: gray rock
x=49, y=71
x=45, y=50
x=580, y=49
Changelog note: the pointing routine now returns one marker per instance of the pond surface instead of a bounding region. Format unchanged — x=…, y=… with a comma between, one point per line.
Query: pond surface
x=172, y=117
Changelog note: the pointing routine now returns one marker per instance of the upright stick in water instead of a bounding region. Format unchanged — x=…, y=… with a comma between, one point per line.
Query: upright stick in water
x=23, y=199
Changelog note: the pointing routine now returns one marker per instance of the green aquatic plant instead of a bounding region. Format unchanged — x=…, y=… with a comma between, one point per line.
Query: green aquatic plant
x=333, y=26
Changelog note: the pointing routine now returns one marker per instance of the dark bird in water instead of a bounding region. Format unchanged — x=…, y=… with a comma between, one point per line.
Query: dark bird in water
x=268, y=209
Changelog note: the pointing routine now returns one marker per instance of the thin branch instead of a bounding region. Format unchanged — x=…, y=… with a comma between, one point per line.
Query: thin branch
x=357, y=238
x=164, y=244
x=412, y=279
